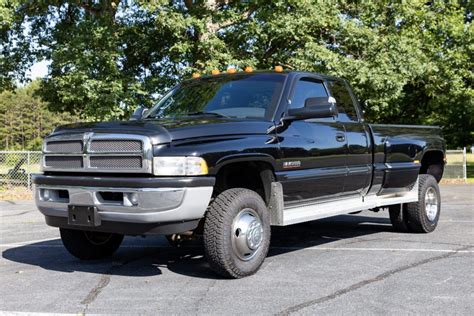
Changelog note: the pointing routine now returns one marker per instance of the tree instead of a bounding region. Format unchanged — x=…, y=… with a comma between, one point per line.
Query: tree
x=25, y=119
x=410, y=62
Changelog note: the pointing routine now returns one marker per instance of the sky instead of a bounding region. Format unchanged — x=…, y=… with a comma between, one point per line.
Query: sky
x=39, y=70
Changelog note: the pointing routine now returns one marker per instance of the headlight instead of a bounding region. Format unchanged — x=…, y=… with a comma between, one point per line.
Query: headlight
x=179, y=166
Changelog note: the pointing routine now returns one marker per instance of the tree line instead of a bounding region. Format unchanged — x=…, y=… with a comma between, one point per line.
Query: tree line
x=408, y=61
x=25, y=119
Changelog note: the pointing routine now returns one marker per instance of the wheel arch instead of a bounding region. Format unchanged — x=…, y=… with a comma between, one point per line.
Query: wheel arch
x=432, y=163
x=250, y=171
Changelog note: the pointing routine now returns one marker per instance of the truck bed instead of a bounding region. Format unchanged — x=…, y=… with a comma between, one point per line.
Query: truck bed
x=398, y=151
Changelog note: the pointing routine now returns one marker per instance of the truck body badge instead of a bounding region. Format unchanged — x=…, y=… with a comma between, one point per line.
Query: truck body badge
x=291, y=164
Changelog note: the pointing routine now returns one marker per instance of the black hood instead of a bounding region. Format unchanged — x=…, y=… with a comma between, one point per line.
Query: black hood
x=166, y=130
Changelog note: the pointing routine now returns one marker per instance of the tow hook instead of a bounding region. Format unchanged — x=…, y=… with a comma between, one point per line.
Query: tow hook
x=182, y=239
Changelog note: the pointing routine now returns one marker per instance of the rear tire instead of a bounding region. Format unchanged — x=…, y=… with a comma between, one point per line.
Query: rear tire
x=236, y=233
x=423, y=215
x=87, y=245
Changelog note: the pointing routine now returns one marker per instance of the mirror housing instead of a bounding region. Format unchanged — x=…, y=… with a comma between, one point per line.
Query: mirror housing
x=138, y=113
x=314, y=108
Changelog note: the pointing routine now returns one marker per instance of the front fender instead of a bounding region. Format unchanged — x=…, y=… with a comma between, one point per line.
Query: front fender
x=243, y=157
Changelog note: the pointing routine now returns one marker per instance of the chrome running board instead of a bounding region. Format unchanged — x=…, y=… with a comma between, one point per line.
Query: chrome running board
x=312, y=212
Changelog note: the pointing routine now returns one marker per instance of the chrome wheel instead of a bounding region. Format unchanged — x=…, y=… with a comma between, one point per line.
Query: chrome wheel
x=247, y=234
x=431, y=204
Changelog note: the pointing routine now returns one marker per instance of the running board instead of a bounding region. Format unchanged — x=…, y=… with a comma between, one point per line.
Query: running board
x=312, y=212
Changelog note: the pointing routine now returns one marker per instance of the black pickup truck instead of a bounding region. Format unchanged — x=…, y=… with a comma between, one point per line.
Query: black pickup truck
x=227, y=156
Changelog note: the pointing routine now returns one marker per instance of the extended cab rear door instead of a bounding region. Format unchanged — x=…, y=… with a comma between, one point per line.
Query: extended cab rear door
x=359, y=155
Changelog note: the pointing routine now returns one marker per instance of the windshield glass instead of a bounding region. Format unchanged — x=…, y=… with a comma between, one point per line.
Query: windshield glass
x=242, y=95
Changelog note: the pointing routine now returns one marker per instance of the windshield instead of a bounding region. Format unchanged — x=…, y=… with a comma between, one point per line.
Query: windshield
x=242, y=96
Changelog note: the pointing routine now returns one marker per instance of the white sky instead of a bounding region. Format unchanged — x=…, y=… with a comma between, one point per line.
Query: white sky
x=38, y=70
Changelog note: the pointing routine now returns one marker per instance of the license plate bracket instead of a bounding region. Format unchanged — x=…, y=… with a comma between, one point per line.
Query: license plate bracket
x=83, y=215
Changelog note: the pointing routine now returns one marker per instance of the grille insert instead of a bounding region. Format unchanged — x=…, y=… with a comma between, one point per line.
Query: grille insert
x=116, y=162
x=64, y=162
x=116, y=145
x=64, y=146
x=98, y=152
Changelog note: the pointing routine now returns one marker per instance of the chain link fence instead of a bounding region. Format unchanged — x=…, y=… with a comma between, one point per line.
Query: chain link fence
x=456, y=166
x=16, y=168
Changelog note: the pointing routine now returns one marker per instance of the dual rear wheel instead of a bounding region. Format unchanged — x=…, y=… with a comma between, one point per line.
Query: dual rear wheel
x=421, y=216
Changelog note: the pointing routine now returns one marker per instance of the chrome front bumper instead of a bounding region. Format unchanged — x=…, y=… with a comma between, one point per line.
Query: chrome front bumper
x=125, y=204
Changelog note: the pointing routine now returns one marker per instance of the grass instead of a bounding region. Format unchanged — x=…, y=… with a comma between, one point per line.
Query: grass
x=470, y=168
x=454, y=165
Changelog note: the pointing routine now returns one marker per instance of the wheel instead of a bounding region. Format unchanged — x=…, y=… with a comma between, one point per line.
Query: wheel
x=236, y=233
x=423, y=215
x=87, y=245
x=398, y=217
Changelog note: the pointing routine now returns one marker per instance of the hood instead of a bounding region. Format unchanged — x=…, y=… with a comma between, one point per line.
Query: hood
x=166, y=130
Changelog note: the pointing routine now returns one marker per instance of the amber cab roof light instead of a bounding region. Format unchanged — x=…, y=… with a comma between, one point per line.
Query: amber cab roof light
x=248, y=69
x=232, y=70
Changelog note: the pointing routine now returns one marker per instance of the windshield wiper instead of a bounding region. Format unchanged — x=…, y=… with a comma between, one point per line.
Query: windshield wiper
x=205, y=113
x=189, y=114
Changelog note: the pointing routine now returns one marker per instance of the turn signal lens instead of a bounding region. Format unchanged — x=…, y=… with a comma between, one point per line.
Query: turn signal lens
x=215, y=71
x=231, y=70
x=278, y=68
x=196, y=75
x=248, y=69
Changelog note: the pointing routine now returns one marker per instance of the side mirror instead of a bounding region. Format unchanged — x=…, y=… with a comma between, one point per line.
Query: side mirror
x=314, y=108
x=138, y=113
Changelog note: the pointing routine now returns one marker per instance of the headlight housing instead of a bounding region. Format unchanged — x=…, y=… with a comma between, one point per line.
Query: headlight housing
x=179, y=166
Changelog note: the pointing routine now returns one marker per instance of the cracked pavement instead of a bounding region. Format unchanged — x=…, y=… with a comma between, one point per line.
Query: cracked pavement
x=341, y=265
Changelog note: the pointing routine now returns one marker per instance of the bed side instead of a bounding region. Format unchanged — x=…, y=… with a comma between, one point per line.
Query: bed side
x=401, y=152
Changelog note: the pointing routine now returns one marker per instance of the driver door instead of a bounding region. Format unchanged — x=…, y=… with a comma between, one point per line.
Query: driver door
x=313, y=151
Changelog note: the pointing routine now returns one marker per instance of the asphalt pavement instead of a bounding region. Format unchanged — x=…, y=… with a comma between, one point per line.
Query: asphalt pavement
x=354, y=264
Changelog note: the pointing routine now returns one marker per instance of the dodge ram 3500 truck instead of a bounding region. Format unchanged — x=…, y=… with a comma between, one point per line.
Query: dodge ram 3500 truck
x=227, y=156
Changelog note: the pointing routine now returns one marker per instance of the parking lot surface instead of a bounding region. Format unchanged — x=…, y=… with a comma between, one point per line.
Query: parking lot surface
x=354, y=264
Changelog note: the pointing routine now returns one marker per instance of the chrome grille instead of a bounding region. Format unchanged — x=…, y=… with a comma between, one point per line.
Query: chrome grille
x=116, y=145
x=64, y=146
x=99, y=152
x=116, y=162
x=63, y=162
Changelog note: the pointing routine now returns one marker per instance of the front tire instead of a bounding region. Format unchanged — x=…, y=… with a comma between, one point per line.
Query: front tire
x=87, y=245
x=237, y=233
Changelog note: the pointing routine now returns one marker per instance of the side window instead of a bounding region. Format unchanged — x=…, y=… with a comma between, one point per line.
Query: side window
x=306, y=88
x=345, y=106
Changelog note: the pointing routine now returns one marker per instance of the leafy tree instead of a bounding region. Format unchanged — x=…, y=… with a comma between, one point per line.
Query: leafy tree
x=409, y=61
x=25, y=119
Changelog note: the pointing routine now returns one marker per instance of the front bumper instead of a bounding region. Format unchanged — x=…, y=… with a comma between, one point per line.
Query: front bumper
x=126, y=200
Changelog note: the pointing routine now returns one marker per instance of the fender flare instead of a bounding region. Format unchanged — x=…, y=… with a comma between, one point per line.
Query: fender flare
x=244, y=157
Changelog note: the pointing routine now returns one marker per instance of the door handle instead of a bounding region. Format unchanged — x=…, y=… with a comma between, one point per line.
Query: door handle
x=340, y=137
